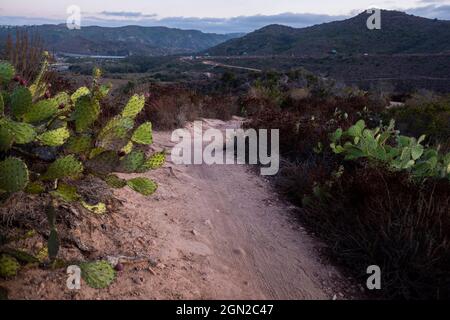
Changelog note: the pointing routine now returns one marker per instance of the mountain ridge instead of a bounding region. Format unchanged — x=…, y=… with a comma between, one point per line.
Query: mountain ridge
x=400, y=33
x=125, y=40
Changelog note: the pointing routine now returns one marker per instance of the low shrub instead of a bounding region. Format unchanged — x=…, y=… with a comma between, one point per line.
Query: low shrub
x=374, y=216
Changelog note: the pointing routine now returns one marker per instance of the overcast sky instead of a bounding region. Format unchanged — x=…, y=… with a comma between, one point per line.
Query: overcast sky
x=208, y=15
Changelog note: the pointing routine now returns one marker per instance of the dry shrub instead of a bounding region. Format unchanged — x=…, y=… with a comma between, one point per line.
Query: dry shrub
x=171, y=111
x=372, y=216
x=24, y=50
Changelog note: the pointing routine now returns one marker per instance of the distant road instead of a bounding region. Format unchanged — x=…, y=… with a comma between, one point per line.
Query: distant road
x=218, y=64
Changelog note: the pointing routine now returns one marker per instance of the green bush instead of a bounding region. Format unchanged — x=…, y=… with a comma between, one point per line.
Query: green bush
x=430, y=117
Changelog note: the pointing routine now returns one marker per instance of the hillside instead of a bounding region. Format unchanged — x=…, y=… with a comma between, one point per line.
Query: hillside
x=123, y=40
x=400, y=33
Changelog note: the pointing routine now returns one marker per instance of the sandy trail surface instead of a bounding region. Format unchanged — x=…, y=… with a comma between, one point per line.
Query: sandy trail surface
x=210, y=232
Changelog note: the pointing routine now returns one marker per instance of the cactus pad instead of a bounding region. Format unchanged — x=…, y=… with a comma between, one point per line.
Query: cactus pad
x=86, y=113
x=143, y=134
x=134, y=106
x=98, y=275
x=42, y=110
x=23, y=133
x=155, y=161
x=6, y=139
x=54, y=138
x=13, y=175
x=143, y=185
x=104, y=163
x=113, y=135
x=128, y=148
x=133, y=161
x=115, y=182
x=79, y=144
x=99, y=208
x=20, y=255
x=67, y=167
x=66, y=192
x=8, y=266
x=6, y=72
x=21, y=102
x=35, y=187
x=83, y=91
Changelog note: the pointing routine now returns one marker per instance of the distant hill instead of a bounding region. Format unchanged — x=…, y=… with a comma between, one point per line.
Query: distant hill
x=400, y=33
x=123, y=40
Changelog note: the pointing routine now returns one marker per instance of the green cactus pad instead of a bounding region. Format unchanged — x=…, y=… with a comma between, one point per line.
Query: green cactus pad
x=21, y=102
x=98, y=275
x=53, y=244
x=67, y=167
x=6, y=139
x=20, y=255
x=23, y=133
x=143, y=134
x=134, y=106
x=13, y=175
x=8, y=266
x=7, y=72
x=83, y=91
x=54, y=138
x=42, y=110
x=104, y=163
x=113, y=135
x=96, y=152
x=66, y=192
x=115, y=182
x=35, y=187
x=79, y=144
x=155, y=161
x=86, y=113
x=99, y=208
x=62, y=98
x=128, y=148
x=133, y=161
x=143, y=185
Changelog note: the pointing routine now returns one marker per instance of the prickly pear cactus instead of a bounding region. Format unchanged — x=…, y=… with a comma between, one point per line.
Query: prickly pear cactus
x=8, y=266
x=143, y=134
x=86, y=113
x=50, y=140
x=98, y=275
x=156, y=161
x=6, y=72
x=143, y=185
x=21, y=101
x=115, y=182
x=134, y=106
x=133, y=161
x=13, y=175
x=54, y=138
x=67, y=167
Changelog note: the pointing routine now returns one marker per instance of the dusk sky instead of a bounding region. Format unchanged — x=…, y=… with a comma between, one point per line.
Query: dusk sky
x=207, y=15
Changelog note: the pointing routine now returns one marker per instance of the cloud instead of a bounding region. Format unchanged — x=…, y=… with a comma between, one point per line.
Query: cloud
x=240, y=24
x=127, y=14
x=431, y=11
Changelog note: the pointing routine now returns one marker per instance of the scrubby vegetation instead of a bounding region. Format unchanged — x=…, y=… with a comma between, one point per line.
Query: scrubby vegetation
x=375, y=194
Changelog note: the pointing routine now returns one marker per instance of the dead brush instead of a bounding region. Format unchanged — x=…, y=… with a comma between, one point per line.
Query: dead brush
x=24, y=50
x=372, y=216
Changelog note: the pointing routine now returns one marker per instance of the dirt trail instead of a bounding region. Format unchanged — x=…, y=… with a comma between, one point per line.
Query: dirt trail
x=212, y=232
x=227, y=226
